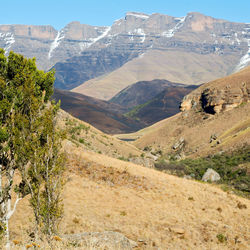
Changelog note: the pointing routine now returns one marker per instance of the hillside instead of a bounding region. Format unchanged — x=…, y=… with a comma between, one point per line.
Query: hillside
x=163, y=105
x=214, y=118
x=88, y=138
x=141, y=92
x=153, y=209
x=136, y=107
x=103, y=115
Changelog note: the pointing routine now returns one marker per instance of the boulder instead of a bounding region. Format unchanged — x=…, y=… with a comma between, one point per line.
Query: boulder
x=179, y=144
x=211, y=175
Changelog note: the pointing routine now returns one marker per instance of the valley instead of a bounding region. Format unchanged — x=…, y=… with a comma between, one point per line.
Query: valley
x=149, y=139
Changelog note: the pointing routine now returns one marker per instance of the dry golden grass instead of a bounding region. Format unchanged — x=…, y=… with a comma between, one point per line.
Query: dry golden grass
x=149, y=207
x=94, y=140
x=231, y=127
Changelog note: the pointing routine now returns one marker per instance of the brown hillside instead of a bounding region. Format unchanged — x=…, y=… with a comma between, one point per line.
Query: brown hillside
x=101, y=114
x=228, y=98
x=163, y=105
x=152, y=208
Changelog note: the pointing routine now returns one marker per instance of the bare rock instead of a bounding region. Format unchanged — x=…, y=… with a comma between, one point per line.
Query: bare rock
x=179, y=144
x=211, y=175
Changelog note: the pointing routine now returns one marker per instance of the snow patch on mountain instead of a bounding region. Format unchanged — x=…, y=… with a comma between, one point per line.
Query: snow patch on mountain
x=118, y=21
x=83, y=46
x=170, y=33
x=94, y=40
x=245, y=60
x=56, y=42
x=131, y=36
x=236, y=38
x=141, y=33
x=142, y=55
x=9, y=40
x=138, y=15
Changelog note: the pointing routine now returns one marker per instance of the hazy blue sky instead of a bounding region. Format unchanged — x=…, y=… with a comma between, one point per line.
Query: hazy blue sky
x=103, y=12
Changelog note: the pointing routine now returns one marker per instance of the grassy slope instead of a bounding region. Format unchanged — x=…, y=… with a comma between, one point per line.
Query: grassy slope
x=103, y=193
x=89, y=138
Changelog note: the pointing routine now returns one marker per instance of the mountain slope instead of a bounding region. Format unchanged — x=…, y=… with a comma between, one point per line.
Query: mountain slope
x=153, y=209
x=141, y=92
x=215, y=117
x=100, y=114
x=48, y=45
x=195, y=50
x=163, y=105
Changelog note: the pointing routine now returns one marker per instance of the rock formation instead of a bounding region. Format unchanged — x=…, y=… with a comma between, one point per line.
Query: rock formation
x=220, y=95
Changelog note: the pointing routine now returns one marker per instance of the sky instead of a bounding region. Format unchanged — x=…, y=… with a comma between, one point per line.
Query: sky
x=58, y=13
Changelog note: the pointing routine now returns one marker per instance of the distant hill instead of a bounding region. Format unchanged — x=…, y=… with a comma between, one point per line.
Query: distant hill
x=163, y=105
x=101, y=114
x=141, y=92
x=136, y=107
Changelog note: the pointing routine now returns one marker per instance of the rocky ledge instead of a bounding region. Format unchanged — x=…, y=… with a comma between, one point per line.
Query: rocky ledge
x=220, y=95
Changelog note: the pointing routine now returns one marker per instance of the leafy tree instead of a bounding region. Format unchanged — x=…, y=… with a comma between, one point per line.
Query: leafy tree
x=29, y=142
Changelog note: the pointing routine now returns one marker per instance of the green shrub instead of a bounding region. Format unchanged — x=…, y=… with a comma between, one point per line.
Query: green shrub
x=221, y=238
x=225, y=164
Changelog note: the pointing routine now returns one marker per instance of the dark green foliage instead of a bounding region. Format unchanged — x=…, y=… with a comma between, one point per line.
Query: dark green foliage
x=122, y=158
x=221, y=238
x=226, y=164
x=29, y=142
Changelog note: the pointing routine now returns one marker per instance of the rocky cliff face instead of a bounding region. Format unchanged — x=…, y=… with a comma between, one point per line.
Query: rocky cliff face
x=101, y=50
x=45, y=43
x=220, y=95
x=201, y=37
x=31, y=41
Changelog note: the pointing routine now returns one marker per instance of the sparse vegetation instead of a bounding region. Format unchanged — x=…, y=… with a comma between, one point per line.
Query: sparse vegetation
x=133, y=113
x=122, y=158
x=232, y=167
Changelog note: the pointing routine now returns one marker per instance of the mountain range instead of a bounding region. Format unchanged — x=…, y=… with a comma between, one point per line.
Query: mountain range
x=101, y=61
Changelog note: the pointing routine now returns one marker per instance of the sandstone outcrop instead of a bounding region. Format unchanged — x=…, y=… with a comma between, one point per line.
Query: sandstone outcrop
x=220, y=95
